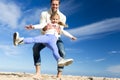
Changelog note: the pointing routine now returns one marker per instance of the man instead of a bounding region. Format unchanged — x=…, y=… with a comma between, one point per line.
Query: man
x=45, y=18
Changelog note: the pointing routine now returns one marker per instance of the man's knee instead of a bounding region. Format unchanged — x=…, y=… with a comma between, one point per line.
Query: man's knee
x=60, y=69
x=62, y=53
x=37, y=64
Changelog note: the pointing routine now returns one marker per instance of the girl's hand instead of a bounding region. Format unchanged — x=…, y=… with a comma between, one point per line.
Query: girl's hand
x=74, y=38
x=29, y=27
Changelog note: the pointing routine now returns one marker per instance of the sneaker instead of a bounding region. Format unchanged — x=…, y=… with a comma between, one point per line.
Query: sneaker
x=16, y=39
x=65, y=62
x=69, y=61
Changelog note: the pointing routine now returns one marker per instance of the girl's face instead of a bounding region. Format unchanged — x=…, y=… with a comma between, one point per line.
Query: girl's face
x=55, y=19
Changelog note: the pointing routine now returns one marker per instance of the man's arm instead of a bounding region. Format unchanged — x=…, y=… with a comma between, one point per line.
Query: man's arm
x=43, y=17
x=42, y=24
x=37, y=26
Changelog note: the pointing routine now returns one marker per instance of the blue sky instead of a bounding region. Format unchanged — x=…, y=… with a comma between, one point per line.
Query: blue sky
x=96, y=24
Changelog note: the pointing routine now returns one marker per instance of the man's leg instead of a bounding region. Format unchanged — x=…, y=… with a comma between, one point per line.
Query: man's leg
x=62, y=54
x=37, y=59
x=38, y=71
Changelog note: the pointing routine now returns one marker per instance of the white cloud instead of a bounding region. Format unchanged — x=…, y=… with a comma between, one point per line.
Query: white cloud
x=11, y=50
x=97, y=29
x=12, y=15
x=114, y=69
x=99, y=60
x=9, y=13
x=69, y=7
x=114, y=52
x=32, y=16
x=72, y=49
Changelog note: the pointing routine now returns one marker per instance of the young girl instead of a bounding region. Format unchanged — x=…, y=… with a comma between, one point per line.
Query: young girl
x=52, y=30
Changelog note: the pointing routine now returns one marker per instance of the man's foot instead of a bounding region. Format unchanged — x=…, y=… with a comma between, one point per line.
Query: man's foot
x=65, y=62
x=58, y=79
x=16, y=39
x=37, y=77
x=59, y=75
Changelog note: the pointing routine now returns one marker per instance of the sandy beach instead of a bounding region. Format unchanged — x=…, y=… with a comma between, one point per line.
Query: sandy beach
x=28, y=76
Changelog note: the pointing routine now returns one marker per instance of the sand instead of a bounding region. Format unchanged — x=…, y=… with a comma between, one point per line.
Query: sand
x=28, y=76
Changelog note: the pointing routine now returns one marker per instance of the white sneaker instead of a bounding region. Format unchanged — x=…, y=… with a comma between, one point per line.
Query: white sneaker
x=65, y=62
x=16, y=39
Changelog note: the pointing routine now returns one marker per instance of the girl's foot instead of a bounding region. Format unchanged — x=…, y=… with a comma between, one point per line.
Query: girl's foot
x=64, y=62
x=17, y=39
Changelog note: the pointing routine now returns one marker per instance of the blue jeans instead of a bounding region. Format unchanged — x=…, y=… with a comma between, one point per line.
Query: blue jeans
x=39, y=46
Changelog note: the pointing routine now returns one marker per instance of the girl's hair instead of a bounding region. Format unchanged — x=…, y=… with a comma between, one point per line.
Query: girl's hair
x=60, y=23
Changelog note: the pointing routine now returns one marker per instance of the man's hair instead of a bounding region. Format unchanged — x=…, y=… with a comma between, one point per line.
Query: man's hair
x=54, y=0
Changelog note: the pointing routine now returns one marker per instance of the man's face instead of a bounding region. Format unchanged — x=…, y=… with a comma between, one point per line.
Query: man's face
x=54, y=5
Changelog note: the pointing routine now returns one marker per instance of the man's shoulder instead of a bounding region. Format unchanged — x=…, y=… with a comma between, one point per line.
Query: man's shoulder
x=61, y=14
x=44, y=12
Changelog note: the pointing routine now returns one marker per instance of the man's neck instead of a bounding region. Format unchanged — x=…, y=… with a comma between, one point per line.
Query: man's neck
x=51, y=11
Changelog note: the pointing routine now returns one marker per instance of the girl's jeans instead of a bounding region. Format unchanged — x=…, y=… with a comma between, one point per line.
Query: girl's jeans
x=48, y=39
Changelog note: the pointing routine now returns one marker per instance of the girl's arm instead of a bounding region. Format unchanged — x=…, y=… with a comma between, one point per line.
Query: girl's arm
x=68, y=34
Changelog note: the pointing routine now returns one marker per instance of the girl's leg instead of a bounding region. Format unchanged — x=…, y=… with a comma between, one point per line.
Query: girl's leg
x=60, y=60
x=52, y=45
x=38, y=39
x=54, y=49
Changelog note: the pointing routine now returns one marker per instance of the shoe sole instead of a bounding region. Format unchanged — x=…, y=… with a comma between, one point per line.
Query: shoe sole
x=14, y=38
x=66, y=63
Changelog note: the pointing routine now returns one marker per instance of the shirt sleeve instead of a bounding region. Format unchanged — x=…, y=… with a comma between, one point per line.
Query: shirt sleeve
x=43, y=22
x=39, y=26
x=66, y=33
x=43, y=17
